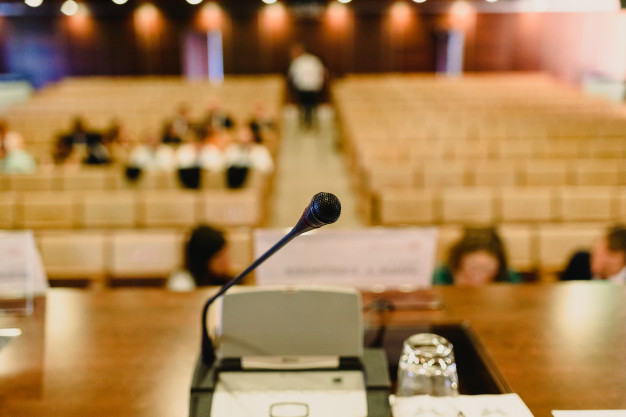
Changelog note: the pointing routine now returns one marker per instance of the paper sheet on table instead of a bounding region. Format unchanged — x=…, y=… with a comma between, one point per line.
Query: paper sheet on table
x=589, y=413
x=502, y=405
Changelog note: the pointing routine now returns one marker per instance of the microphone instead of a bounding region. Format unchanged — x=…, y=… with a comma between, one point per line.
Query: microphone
x=323, y=209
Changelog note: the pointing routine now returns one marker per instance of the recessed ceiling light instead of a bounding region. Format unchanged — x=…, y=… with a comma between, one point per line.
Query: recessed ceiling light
x=33, y=3
x=120, y=1
x=69, y=8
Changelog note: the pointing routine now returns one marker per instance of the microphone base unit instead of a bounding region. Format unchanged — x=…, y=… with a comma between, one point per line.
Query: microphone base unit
x=372, y=365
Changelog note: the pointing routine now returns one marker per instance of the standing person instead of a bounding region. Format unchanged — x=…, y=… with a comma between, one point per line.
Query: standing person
x=307, y=76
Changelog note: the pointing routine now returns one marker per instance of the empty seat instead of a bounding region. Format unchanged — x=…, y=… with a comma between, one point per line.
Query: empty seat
x=83, y=178
x=38, y=181
x=112, y=209
x=520, y=245
x=495, y=173
x=240, y=248
x=405, y=206
x=527, y=204
x=595, y=172
x=46, y=210
x=8, y=201
x=144, y=253
x=70, y=255
x=467, y=205
x=580, y=204
x=444, y=173
x=546, y=172
x=168, y=208
x=227, y=208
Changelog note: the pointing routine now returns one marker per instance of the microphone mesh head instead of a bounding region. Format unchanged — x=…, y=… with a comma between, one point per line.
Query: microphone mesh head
x=325, y=208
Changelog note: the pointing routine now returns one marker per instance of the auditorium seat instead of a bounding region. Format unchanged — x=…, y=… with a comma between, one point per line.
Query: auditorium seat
x=405, y=207
x=545, y=172
x=585, y=204
x=467, y=205
x=108, y=209
x=520, y=245
x=7, y=209
x=86, y=178
x=495, y=173
x=37, y=181
x=240, y=248
x=73, y=255
x=527, y=204
x=46, y=210
x=143, y=254
x=444, y=173
x=175, y=208
x=230, y=208
x=596, y=172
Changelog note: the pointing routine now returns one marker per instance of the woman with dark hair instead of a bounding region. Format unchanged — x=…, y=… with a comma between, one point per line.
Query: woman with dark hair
x=206, y=260
x=479, y=257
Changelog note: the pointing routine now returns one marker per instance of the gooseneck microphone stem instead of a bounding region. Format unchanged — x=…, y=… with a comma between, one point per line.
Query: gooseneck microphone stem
x=208, y=352
x=323, y=209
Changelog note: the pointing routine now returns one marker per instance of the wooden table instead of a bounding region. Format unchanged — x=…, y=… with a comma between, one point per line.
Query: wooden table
x=132, y=352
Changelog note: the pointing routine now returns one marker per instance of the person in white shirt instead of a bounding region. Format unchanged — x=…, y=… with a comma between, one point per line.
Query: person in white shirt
x=249, y=150
x=205, y=152
x=152, y=155
x=306, y=76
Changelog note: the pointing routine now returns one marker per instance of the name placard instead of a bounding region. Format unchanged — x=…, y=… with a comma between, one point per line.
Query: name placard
x=370, y=259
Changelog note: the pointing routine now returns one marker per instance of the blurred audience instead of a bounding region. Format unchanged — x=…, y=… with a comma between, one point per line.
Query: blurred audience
x=477, y=258
x=605, y=261
x=152, y=155
x=81, y=140
x=206, y=260
x=182, y=122
x=216, y=116
x=13, y=157
x=246, y=153
x=169, y=135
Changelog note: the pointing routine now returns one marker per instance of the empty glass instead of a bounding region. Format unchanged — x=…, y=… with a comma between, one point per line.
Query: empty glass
x=427, y=367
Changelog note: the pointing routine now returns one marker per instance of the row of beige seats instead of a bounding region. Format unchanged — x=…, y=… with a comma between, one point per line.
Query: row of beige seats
x=416, y=150
x=114, y=178
x=106, y=257
x=131, y=209
x=467, y=205
x=490, y=173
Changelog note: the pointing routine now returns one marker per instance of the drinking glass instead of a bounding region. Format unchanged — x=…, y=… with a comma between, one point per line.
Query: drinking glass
x=427, y=367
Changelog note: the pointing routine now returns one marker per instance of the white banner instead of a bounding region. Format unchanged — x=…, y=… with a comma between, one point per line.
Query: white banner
x=369, y=259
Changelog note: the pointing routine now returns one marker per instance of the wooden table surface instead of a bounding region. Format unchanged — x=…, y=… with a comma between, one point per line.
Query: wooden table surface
x=132, y=352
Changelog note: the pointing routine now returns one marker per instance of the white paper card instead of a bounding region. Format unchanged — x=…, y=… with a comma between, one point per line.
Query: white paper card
x=375, y=258
x=501, y=405
x=589, y=413
x=22, y=275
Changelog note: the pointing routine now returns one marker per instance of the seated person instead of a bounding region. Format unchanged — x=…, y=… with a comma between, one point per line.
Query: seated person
x=206, y=261
x=152, y=155
x=246, y=153
x=606, y=261
x=13, y=157
x=477, y=258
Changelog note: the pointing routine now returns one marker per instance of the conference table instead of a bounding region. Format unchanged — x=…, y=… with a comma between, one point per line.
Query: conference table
x=131, y=352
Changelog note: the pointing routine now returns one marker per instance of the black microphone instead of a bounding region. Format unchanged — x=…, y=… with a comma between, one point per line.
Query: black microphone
x=323, y=209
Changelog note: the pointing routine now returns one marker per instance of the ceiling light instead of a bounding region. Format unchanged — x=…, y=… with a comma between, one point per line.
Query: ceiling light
x=120, y=1
x=194, y=2
x=33, y=3
x=419, y=1
x=269, y=1
x=344, y=1
x=69, y=8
